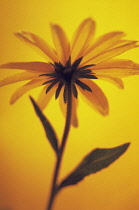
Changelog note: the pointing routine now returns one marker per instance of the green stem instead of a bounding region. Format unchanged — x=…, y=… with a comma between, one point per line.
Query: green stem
x=61, y=149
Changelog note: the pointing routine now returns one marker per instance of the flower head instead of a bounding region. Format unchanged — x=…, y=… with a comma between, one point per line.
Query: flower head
x=76, y=65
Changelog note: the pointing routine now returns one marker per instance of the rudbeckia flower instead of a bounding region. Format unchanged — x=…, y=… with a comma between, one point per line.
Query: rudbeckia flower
x=74, y=66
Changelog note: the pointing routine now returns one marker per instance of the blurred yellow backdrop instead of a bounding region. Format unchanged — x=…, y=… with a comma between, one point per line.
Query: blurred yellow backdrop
x=26, y=159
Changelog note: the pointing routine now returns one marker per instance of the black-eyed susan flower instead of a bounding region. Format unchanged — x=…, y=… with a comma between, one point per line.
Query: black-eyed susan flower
x=74, y=67
x=70, y=68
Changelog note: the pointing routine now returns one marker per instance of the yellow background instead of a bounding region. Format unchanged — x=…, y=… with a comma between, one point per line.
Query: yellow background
x=26, y=159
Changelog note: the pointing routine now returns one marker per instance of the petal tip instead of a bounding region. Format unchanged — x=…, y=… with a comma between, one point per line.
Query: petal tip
x=12, y=101
x=75, y=125
x=89, y=19
x=18, y=33
x=105, y=112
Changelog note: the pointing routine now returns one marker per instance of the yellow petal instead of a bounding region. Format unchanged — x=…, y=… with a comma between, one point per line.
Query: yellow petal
x=23, y=89
x=82, y=37
x=19, y=77
x=121, y=42
x=35, y=66
x=117, y=68
x=44, y=98
x=36, y=41
x=102, y=44
x=63, y=106
x=116, y=81
x=96, y=98
x=112, y=53
x=61, y=43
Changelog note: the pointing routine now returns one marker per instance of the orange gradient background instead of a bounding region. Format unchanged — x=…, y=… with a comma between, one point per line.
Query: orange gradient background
x=26, y=159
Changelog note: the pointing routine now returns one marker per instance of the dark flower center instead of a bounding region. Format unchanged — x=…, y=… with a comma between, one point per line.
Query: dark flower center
x=69, y=75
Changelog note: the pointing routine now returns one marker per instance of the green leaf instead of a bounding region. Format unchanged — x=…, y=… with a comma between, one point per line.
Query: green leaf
x=50, y=133
x=94, y=162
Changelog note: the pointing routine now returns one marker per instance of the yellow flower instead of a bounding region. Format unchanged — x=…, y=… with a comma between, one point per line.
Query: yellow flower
x=77, y=64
